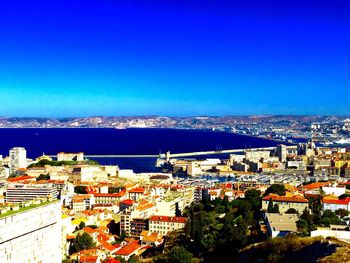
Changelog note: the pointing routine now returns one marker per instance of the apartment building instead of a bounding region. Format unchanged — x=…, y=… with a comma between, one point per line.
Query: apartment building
x=165, y=224
x=31, y=233
x=17, y=193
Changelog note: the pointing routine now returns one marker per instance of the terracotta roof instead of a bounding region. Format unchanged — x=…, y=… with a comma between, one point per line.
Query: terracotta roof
x=111, y=260
x=344, y=201
x=176, y=219
x=292, y=199
x=88, y=259
x=21, y=178
x=89, y=230
x=129, y=248
x=137, y=190
x=120, y=194
x=314, y=185
x=108, y=246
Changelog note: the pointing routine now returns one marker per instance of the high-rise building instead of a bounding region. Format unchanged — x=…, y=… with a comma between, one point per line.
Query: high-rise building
x=31, y=233
x=281, y=152
x=18, y=158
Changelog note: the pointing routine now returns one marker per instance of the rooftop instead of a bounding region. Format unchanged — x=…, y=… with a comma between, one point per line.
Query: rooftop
x=292, y=199
x=22, y=209
x=282, y=222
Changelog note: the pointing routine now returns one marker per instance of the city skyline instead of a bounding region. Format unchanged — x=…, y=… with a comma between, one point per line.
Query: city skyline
x=161, y=58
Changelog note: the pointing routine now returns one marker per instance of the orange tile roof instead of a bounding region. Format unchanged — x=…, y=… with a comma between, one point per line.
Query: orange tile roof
x=88, y=259
x=314, y=185
x=108, y=246
x=129, y=248
x=344, y=201
x=137, y=190
x=111, y=260
x=120, y=194
x=20, y=178
x=292, y=199
x=89, y=230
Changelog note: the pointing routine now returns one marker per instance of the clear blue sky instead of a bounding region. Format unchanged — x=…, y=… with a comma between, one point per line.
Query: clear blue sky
x=83, y=58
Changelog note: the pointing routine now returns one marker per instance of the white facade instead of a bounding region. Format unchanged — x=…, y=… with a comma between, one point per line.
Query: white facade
x=62, y=156
x=32, y=236
x=18, y=158
x=18, y=193
x=165, y=224
x=334, y=190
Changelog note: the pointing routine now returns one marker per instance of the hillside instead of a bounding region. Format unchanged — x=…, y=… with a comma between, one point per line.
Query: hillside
x=293, y=249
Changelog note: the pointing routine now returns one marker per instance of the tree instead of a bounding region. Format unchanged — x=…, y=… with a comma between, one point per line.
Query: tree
x=179, y=254
x=80, y=189
x=81, y=225
x=115, y=189
x=329, y=217
x=81, y=242
x=122, y=235
x=43, y=177
x=302, y=225
x=253, y=197
x=275, y=208
x=342, y=212
x=270, y=206
x=291, y=211
x=276, y=189
x=232, y=237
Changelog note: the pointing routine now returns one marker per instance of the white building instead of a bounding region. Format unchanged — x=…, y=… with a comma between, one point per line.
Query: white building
x=165, y=224
x=334, y=190
x=18, y=193
x=32, y=235
x=62, y=156
x=18, y=158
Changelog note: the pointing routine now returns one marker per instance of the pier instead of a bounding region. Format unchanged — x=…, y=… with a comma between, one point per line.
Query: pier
x=167, y=156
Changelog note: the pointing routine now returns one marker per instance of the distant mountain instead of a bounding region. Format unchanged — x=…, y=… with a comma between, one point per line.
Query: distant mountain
x=159, y=121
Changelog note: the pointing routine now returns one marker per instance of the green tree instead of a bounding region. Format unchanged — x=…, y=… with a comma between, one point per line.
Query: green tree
x=115, y=189
x=253, y=197
x=270, y=206
x=275, y=208
x=179, y=254
x=329, y=217
x=80, y=189
x=81, y=242
x=276, y=189
x=342, y=213
x=232, y=237
x=291, y=211
x=302, y=225
x=81, y=225
x=43, y=177
x=122, y=235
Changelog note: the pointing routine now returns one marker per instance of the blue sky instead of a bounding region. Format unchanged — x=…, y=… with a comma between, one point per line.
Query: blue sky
x=84, y=58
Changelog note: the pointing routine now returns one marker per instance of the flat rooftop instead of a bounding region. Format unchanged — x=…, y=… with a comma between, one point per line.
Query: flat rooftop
x=282, y=222
x=22, y=208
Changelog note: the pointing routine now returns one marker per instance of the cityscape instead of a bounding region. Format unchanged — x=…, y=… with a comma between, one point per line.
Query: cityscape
x=151, y=131
x=100, y=213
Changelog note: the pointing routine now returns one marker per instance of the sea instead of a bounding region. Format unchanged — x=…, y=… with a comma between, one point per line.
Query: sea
x=50, y=141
